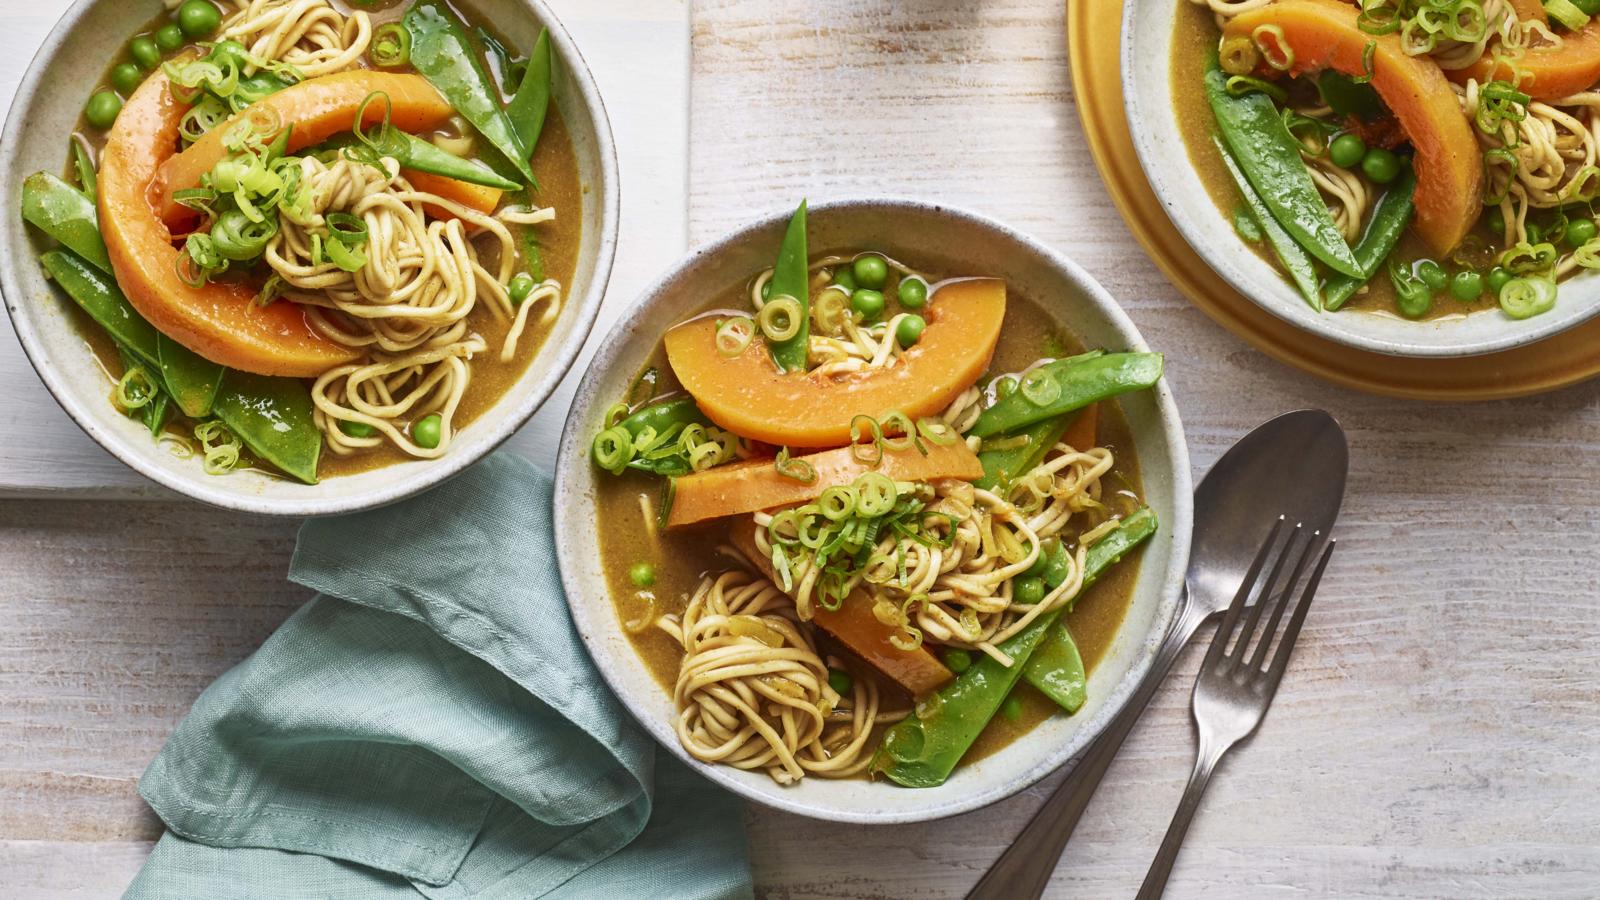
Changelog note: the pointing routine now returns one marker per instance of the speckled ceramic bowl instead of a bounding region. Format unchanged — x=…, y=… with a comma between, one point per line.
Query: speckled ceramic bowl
x=44, y=112
x=958, y=243
x=1147, y=40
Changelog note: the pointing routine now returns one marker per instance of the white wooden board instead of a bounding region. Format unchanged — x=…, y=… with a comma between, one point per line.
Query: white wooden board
x=639, y=53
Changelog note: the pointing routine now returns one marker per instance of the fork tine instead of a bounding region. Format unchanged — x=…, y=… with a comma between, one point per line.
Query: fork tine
x=1280, y=662
x=1220, y=642
x=1281, y=602
x=1268, y=594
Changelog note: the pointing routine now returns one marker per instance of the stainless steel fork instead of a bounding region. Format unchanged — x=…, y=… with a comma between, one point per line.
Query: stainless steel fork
x=1233, y=691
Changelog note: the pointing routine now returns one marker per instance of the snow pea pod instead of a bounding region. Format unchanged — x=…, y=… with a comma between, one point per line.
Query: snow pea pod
x=791, y=277
x=666, y=414
x=1296, y=261
x=1387, y=222
x=155, y=412
x=191, y=379
x=1056, y=669
x=1269, y=156
x=531, y=102
x=66, y=214
x=99, y=296
x=922, y=750
x=425, y=157
x=1067, y=385
x=442, y=52
x=1000, y=466
x=272, y=416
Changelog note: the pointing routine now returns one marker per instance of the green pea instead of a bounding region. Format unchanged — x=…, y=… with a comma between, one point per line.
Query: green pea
x=198, y=18
x=522, y=284
x=1005, y=387
x=169, y=37
x=1027, y=590
x=1433, y=275
x=841, y=682
x=1413, y=304
x=844, y=278
x=957, y=660
x=356, y=429
x=125, y=78
x=909, y=331
x=1466, y=286
x=427, y=430
x=871, y=271
x=1497, y=279
x=1581, y=231
x=868, y=303
x=1011, y=709
x=642, y=574
x=145, y=52
x=913, y=292
x=102, y=109
x=1347, y=150
x=766, y=290
x=1380, y=166
x=1047, y=548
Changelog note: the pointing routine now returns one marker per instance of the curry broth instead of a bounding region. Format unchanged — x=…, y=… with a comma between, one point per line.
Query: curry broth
x=1195, y=36
x=681, y=557
x=555, y=164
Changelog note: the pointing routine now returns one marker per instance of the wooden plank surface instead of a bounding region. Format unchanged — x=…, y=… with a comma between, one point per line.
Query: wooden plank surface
x=1438, y=735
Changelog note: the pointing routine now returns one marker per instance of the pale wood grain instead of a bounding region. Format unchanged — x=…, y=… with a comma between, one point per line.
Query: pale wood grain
x=1438, y=736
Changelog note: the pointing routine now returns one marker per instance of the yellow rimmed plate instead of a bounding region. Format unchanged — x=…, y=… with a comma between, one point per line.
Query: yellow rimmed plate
x=1094, y=43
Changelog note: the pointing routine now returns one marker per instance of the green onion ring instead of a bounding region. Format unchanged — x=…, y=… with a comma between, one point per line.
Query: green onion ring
x=780, y=318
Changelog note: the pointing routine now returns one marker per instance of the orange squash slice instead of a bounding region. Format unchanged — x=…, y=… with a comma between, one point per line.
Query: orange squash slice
x=1548, y=72
x=318, y=109
x=747, y=395
x=219, y=320
x=1323, y=34
x=754, y=485
x=854, y=626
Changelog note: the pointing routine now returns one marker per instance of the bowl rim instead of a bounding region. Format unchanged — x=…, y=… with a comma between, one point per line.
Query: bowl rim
x=1428, y=338
x=586, y=307
x=572, y=521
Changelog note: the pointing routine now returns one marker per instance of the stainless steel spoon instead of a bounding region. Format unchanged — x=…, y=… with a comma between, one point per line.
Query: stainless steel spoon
x=1295, y=466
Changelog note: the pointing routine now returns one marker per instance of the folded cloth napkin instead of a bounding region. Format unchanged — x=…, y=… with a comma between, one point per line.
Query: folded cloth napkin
x=430, y=724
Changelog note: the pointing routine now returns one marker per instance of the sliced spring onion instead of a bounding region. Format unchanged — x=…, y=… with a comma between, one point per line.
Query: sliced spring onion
x=1524, y=298
x=861, y=426
x=613, y=449
x=780, y=319
x=1039, y=388
x=837, y=502
x=875, y=494
x=1529, y=259
x=390, y=47
x=1239, y=85
x=734, y=334
x=1565, y=12
x=1273, y=46
x=797, y=469
x=937, y=431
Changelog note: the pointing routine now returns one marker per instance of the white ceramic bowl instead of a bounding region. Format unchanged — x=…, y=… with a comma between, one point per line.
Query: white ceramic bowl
x=1147, y=35
x=44, y=112
x=954, y=242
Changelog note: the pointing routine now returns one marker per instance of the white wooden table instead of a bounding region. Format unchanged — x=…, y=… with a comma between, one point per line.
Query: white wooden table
x=1438, y=736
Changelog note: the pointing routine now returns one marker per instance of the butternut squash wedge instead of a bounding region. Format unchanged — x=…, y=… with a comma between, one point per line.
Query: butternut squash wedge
x=854, y=626
x=319, y=109
x=1548, y=72
x=476, y=196
x=755, y=485
x=1323, y=34
x=219, y=320
x=747, y=395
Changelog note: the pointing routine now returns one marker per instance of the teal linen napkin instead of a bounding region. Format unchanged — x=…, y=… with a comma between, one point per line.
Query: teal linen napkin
x=430, y=723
